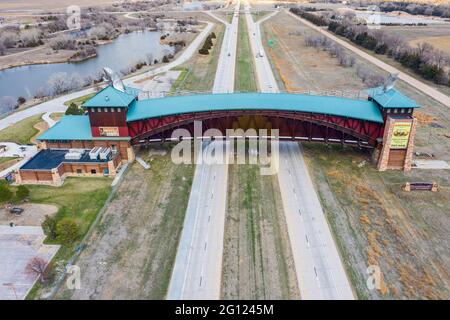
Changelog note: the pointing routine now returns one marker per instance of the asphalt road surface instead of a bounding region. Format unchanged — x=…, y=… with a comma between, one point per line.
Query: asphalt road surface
x=265, y=77
x=319, y=269
x=197, y=271
x=224, y=80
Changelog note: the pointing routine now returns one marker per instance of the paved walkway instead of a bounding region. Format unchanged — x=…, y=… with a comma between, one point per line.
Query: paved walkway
x=419, y=85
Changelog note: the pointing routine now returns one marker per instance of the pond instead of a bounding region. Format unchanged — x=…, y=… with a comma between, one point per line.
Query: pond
x=124, y=52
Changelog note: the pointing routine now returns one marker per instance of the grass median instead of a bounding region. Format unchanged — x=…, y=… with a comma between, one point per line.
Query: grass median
x=245, y=78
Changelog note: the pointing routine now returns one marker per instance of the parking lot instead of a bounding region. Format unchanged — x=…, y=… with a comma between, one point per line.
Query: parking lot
x=18, y=245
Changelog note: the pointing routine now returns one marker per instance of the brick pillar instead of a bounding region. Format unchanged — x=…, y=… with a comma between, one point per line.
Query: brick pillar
x=383, y=160
x=17, y=177
x=410, y=148
x=111, y=168
x=130, y=154
x=387, y=137
x=57, y=181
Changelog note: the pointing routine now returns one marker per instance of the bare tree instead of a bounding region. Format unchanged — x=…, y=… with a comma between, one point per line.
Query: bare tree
x=9, y=39
x=7, y=104
x=58, y=83
x=37, y=266
x=30, y=38
x=63, y=42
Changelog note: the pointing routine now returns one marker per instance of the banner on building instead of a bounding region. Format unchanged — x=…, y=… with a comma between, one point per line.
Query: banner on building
x=400, y=135
x=109, y=131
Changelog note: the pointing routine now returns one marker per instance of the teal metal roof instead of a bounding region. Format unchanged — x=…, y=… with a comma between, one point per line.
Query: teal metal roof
x=110, y=97
x=73, y=128
x=391, y=98
x=69, y=128
x=358, y=109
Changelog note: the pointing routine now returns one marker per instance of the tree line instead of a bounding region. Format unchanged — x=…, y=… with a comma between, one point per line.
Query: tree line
x=207, y=45
x=425, y=60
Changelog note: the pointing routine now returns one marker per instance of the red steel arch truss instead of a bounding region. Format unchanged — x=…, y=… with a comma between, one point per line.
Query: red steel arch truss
x=294, y=125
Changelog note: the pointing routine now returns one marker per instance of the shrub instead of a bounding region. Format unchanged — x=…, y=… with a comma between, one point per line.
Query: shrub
x=6, y=194
x=49, y=227
x=22, y=193
x=66, y=231
x=21, y=100
x=73, y=109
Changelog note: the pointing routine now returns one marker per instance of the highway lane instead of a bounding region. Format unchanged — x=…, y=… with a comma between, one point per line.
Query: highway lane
x=226, y=66
x=320, y=273
x=265, y=77
x=319, y=269
x=197, y=271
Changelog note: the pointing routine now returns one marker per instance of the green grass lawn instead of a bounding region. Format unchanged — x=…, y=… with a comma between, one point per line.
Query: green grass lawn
x=6, y=159
x=245, y=80
x=22, y=131
x=80, y=100
x=80, y=199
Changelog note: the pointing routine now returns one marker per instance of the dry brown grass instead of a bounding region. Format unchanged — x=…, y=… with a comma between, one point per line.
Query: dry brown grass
x=423, y=118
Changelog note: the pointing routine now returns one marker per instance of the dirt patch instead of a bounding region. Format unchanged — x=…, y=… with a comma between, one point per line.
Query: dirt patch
x=132, y=251
x=33, y=214
x=257, y=261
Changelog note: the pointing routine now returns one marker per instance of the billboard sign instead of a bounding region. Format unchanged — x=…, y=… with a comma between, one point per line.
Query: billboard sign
x=109, y=131
x=400, y=135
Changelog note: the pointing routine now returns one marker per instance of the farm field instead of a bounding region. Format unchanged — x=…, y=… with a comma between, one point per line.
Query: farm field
x=436, y=35
x=13, y=5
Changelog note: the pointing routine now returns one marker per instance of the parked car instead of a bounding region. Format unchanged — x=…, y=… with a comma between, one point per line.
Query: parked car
x=16, y=210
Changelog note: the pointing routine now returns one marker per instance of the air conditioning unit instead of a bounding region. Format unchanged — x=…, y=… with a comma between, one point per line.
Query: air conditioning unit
x=104, y=154
x=93, y=154
x=73, y=156
x=76, y=151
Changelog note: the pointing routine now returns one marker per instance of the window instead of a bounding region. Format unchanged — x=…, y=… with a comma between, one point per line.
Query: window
x=99, y=109
x=79, y=171
x=105, y=109
x=92, y=109
x=395, y=110
x=93, y=171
